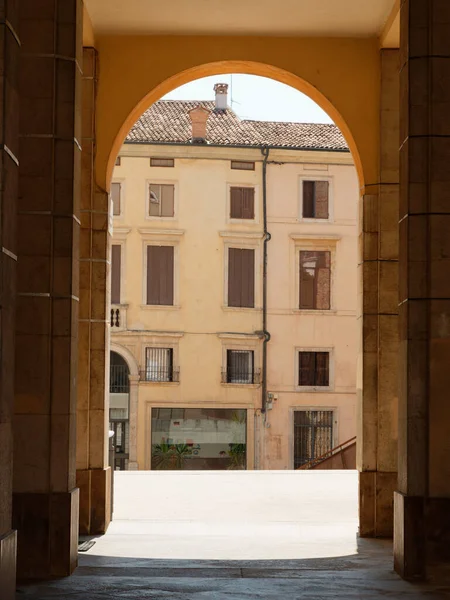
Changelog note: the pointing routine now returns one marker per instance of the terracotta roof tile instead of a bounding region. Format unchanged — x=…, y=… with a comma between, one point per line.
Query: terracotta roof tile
x=168, y=121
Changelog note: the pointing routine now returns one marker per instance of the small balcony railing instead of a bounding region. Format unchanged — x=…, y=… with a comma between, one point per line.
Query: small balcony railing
x=119, y=382
x=118, y=317
x=241, y=377
x=161, y=375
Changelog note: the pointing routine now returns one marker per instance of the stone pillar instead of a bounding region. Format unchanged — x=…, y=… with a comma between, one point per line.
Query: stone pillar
x=93, y=472
x=377, y=436
x=45, y=501
x=422, y=502
x=134, y=399
x=9, y=152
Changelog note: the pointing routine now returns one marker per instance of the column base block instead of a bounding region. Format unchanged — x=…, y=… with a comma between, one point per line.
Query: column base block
x=8, y=555
x=95, y=500
x=409, y=537
x=376, y=513
x=47, y=526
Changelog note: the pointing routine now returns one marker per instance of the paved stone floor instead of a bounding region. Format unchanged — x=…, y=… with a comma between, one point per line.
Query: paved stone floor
x=234, y=536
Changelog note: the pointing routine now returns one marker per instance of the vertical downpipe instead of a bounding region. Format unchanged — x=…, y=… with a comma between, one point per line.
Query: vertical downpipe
x=267, y=236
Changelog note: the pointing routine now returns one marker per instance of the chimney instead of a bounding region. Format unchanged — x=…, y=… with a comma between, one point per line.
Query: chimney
x=221, y=90
x=199, y=117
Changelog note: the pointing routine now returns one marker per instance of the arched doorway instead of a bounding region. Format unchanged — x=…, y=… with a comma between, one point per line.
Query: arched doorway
x=119, y=410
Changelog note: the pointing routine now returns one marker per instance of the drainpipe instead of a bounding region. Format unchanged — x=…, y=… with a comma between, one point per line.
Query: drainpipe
x=265, y=152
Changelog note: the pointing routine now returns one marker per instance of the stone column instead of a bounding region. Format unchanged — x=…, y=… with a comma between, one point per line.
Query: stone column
x=93, y=473
x=377, y=436
x=133, y=415
x=45, y=502
x=9, y=152
x=422, y=503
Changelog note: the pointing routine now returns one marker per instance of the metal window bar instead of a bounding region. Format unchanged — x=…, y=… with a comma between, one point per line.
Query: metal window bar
x=313, y=435
x=119, y=382
x=240, y=368
x=159, y=365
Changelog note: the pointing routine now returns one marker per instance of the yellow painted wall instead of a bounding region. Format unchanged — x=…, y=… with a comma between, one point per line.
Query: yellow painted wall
x=202, y=327
x=341, y=75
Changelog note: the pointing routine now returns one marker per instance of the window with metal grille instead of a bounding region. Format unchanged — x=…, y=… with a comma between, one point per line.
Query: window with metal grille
x=313, y=435
x=315, y=280
x=243, y=165
x=161, y=200
x=162, y=162
x=241, y=277
x=159, y=364
x=314, y=369
x=240, y=367
x=242, y=202
x=315, y=199
x=160, y=275
x=116, y=192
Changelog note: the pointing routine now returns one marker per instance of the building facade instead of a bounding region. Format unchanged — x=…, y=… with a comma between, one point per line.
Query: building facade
x=232, y=364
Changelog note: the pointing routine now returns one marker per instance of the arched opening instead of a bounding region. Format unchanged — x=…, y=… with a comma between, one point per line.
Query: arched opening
x=119, y=410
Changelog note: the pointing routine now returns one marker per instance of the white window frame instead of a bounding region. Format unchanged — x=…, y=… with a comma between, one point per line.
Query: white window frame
x=315, y=388
x=244, y=241
x=314, y=177
x=159, y=181
x=312, y=243
x=249, y=343
x=122, y=182
x=255, y=220
x=161, y=237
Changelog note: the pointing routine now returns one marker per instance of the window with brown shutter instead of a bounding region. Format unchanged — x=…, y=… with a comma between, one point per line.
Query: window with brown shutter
x=315, y=199
x=243, y=165
x=314, y=369
x=315, y=280
x=160, y=275
x=116, y=198
x=241, y=277
x=161, y=200
x=242, y=202
x=116, y=253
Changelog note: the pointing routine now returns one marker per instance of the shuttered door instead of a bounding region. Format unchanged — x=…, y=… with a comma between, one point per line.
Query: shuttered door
x=321, y=200
x=308, y=199
x=315, y=280
x=241, y=277
x=160, y=275
x=115, y=273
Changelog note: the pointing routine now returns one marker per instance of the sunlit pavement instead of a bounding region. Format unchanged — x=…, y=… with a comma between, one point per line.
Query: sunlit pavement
x=234, y=535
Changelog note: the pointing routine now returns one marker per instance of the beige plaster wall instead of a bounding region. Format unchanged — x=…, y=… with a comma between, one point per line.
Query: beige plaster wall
x=200, y=327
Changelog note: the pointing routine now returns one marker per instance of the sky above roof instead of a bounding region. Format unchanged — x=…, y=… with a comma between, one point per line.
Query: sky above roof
x=256, y=98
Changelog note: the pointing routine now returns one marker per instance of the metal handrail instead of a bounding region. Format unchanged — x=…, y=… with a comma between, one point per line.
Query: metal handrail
x=327, y=454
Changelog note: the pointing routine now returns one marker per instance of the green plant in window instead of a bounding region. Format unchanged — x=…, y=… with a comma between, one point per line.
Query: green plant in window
x=162, y=456
x=237, y=456
x=180, y=453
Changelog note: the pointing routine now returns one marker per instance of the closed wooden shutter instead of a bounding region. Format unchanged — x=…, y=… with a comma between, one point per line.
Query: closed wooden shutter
x=307, y=280
x=241, y=277
x=160, y=273
x=242, y=203
x=167, y=198
x=115, y=273
x=321, y=199
x=115, y=196
x=308, y=199
x=322, y=376
x=306, y=368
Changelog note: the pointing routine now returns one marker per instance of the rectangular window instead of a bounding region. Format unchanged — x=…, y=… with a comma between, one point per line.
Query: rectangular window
x=116, y=267
x=162, y=162
x=315, y=280
x=313, y=435
x=240, y=367
x=116, y=189
x=315, y=199
x=314, y=369
x=159, y=364
x=242, y=165
x=242, y=202
x=161, y=200
x=241, y=277
x=160, y=273
x=117, y=163
x=195, y=439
